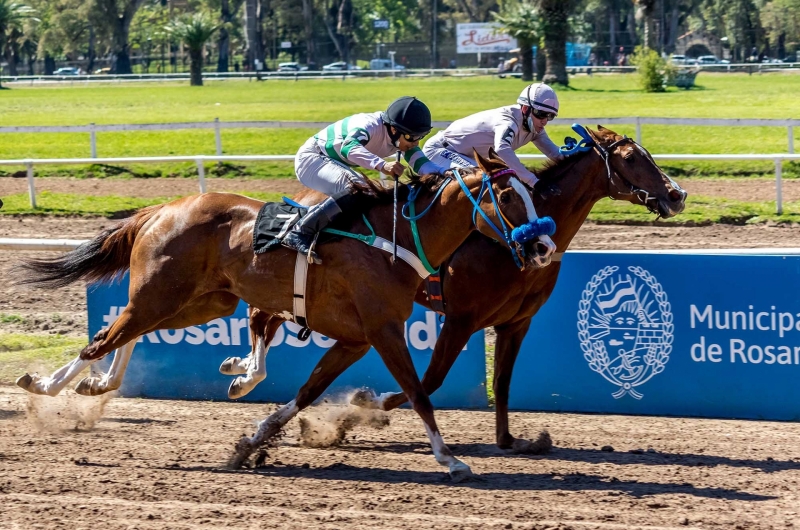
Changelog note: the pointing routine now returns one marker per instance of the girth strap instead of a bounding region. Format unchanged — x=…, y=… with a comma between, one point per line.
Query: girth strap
x=299, y=305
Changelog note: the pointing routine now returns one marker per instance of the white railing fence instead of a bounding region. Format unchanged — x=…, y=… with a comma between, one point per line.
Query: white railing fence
x=217, y=126
x=200, y=160
x=750, y=68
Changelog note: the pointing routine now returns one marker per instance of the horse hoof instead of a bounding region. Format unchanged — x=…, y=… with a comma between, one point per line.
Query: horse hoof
x=87, y=387
x=366, y=399
x=25, y=382
x=230, y=366
x=235, y=391
x=460, y=472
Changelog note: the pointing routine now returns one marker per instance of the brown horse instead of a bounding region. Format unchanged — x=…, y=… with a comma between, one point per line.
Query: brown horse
x=509, y=298
x=192, y=259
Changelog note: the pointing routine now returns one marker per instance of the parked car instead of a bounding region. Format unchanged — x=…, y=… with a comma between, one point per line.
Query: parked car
x=339, y=65
x=68, y=70
x=384, y=64
x=708, y=59
x=291, y=67
x=771, y=60
x=678, y=59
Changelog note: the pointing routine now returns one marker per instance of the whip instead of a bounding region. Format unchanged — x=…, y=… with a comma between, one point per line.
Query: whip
x=394, y=217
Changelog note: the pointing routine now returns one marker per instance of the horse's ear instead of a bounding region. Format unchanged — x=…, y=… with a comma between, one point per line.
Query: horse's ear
x=489, y=165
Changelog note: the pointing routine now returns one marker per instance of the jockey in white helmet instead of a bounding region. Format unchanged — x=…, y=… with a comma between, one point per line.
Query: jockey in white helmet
x=506, y=129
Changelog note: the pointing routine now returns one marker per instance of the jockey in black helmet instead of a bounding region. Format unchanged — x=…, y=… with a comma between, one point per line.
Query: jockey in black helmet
x=362, y=140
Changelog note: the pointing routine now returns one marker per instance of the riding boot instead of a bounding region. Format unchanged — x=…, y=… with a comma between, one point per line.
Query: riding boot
x=301, y=236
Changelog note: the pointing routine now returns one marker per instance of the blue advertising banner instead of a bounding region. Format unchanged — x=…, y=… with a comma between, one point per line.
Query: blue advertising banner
x=184, y=363
x=666, y=334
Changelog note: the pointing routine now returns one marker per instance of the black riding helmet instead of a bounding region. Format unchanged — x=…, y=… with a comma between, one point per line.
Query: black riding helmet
x=409, y=116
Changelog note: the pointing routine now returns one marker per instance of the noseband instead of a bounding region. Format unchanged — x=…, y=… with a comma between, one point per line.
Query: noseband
x=588, y=142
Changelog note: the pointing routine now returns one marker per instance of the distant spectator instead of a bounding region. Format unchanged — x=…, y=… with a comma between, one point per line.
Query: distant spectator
x=452, y=63
x=236, y=66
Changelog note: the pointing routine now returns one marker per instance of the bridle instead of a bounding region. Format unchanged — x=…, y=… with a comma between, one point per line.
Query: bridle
x=587, y=143
x=515, y=238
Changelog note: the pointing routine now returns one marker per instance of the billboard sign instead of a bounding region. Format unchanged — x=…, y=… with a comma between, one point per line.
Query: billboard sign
x=484, y=37
x=666, y=334
x=184, y=363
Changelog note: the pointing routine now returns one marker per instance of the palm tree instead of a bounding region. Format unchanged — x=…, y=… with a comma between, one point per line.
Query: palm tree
x=555, y=29
x=195, y=31
x=12, y=14
x=522, y=22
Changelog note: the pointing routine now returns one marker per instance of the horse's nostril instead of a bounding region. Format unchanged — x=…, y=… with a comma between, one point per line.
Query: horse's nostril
x=676, y=195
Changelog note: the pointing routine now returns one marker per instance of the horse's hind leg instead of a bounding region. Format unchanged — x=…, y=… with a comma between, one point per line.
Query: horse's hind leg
x=51, y=386
x=263, y=328
x=335, y=361
x=391, y=346
x=199, y=311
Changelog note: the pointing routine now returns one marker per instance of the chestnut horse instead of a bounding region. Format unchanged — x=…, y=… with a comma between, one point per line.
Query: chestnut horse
x=509, y=298
x=616, y=167
x=192, y=259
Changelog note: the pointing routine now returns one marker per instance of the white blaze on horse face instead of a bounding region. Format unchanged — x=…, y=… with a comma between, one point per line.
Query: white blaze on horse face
x=520, y=188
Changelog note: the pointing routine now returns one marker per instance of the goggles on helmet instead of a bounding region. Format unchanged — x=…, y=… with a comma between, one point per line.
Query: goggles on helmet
x=543, y=115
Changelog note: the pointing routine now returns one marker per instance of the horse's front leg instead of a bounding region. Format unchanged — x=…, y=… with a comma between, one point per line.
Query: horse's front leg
x=454, y=336
x=335, y=361
x=390, y=343
x=509, y=341
x=263, y=328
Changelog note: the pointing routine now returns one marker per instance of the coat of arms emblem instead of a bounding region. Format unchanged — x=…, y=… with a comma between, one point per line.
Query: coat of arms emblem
x=625, y=327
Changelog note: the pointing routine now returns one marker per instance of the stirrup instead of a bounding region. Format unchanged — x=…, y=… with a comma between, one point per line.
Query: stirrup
x=312, y=257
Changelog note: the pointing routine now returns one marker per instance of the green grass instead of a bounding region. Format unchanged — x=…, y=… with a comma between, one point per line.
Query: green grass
x=20, y=353
x=719, y=96
x=699, y=209
x=48, y=203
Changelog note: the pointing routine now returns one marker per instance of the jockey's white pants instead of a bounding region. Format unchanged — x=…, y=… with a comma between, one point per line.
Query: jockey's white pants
x=438, y=153
x=319, y=172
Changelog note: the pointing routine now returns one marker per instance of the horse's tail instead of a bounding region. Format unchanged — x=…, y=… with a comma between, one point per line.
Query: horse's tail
x=103, y=258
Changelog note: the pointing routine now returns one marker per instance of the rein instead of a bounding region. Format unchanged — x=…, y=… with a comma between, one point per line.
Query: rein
x=513, y=238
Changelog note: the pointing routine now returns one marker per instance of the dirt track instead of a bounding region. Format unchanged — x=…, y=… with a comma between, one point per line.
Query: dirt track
x=154, y=464
x=158, y=464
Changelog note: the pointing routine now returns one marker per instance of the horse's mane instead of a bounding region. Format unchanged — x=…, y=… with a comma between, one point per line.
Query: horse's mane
x=373, y=192
x=555, y=170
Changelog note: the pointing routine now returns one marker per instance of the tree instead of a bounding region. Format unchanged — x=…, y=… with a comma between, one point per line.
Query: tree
x=555, y=28
x=195, y=31
x=114, y=18
x=12, y=14
x=522, y=22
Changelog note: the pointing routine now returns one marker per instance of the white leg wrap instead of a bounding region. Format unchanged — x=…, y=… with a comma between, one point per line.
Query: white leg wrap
x=256, y=372
x=102, y=383
x=270, y=426
x=54, y=384
x=458, y=469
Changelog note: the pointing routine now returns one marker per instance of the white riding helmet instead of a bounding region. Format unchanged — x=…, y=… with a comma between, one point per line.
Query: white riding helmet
x=540, y=97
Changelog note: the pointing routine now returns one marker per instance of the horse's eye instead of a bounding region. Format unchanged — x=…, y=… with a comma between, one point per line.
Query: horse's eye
x=505, y=198
x=628, y=157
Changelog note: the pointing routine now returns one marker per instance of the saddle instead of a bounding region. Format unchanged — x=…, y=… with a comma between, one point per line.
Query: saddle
x=274, y=220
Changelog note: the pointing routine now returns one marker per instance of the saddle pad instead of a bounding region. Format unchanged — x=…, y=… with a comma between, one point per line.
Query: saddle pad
x=273, y=221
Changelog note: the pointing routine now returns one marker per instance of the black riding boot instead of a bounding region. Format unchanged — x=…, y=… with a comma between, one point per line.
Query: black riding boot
x=301, y=236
